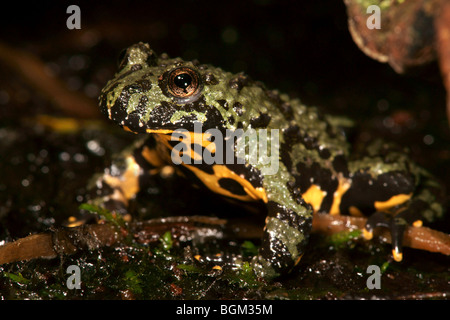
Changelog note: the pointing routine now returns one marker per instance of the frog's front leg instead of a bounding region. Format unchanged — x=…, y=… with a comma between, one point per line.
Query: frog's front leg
x=285, y=236
x=130, y=172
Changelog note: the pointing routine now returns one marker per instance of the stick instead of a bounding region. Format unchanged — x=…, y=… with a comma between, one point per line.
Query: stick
x=89, y=237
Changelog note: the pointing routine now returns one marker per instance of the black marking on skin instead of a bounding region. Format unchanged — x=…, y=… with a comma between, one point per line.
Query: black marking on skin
x=276, y=253
x=291, y=137
x=233, y=186
x=324, y=153
x=239, y=81
x=365, y=189
x=237, y=107
x=261, y=122
x=223, y=103
x=250, y=173
x=209, y=79
x=340, y=165
x=284, y=107
x=143, y=85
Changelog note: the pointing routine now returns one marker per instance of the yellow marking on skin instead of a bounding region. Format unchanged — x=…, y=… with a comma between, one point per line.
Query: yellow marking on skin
x=314, y=196
x=398, y=256
x=368, y=235
x=217, y=268
x=354, y=211
x=127, y=129
x=128, y=183
x=152, y=157
x=221, y=171
x=203, y=140
x=392, y=202
x=194, y=137
x=73, y=222
x=186, y=149
x=197, y=257
x=417, y=223
x=160, y=131
x=167, y=171
x=344, y=185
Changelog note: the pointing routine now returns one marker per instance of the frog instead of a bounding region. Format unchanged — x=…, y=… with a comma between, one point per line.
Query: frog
x=318, y=172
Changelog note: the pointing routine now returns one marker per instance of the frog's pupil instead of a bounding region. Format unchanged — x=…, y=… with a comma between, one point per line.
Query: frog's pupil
x=183, y=80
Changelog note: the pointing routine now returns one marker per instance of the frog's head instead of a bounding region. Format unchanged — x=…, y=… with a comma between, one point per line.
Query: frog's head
x=153, y=93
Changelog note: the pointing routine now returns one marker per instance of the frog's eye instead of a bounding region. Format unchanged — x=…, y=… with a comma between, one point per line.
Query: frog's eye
x=183, y=82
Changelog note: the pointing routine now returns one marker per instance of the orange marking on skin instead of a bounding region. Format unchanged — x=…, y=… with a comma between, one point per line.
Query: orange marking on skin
x=221, y=171
x=314, y=196
x=128, y=183
x=344, y=185
x=152, y=157
x=368, y=235
x=398, y=256
x=417, y=223
x=392, y=202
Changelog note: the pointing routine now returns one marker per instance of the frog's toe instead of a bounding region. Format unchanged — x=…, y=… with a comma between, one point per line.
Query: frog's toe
x=395, y=224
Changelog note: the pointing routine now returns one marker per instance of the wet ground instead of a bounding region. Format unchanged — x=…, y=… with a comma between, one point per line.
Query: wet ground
x=302, y=49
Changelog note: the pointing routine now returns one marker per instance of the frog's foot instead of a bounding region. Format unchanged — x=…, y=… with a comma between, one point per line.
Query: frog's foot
x=284, y=239
x=396, y=223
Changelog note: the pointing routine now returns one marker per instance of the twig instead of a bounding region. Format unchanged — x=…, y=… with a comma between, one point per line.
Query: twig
x=34, y=72
x=89, y=237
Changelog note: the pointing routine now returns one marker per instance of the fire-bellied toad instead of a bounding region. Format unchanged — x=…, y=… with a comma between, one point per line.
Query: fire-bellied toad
x=187, y=112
